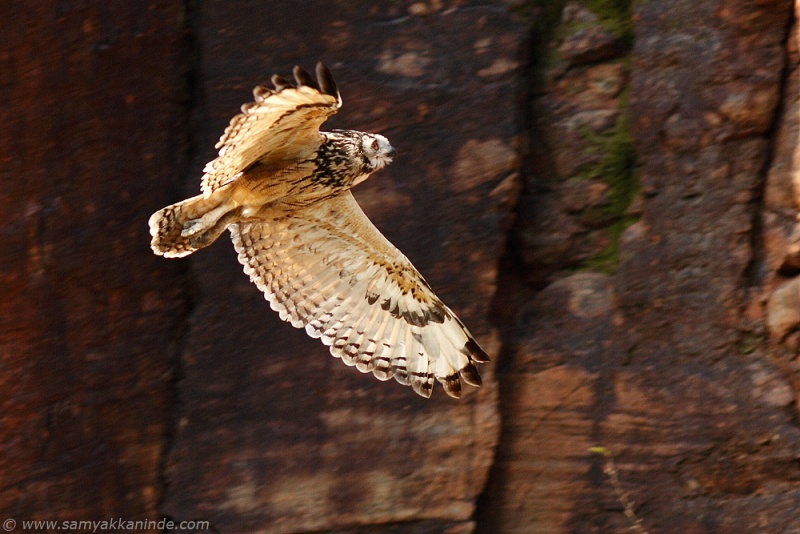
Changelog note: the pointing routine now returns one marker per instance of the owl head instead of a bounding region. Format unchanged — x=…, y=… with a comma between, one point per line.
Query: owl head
x=377, y=150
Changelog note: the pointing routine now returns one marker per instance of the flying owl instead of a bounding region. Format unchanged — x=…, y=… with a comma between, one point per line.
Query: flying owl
x=282, y=188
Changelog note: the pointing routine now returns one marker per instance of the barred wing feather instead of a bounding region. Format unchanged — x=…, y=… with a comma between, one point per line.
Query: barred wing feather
x=327, y=269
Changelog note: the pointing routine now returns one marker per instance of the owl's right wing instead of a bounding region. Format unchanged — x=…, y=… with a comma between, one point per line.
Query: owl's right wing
x=281, y=127
x=328, y=269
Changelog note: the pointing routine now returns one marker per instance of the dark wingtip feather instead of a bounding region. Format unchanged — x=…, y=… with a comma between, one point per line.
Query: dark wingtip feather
x=261, y=93
x=470, y=375
x=280, y=82
x=304, y=78
x=476, y=352
x=422, y=386
x=400, y=374
x=247, y=107
x=451, y=385
x=326, y=82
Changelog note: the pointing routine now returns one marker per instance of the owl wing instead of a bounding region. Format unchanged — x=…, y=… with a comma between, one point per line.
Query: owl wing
x=326, y=268
x=282, y=125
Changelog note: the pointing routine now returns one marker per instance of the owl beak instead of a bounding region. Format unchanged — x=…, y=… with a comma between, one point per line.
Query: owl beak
x=392, y=152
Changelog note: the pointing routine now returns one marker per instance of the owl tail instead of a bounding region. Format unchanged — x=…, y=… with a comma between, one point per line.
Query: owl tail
x=180, y=229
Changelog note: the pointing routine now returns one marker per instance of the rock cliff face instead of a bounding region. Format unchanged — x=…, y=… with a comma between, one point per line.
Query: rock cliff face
x=605, y=193
x=664, y=360
x=292, y=438
x=90, y=323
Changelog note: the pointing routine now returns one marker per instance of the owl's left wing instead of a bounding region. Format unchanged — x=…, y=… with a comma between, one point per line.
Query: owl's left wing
x=280, y=127
x=328, y=269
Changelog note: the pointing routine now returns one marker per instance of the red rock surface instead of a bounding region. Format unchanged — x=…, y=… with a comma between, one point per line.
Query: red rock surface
x=92, y=139
x=673, y=373
x=292, y=439
x=135, y=387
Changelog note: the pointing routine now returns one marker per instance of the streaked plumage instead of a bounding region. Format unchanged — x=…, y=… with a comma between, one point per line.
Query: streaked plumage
x=282, y=189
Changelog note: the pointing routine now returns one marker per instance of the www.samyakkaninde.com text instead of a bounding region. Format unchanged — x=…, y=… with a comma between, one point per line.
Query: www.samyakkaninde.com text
x=107, y=525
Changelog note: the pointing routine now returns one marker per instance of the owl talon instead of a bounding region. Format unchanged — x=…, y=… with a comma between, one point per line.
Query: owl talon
x=191, y=227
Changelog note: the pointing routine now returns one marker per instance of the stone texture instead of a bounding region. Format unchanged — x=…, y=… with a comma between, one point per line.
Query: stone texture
x=584, y=102
x=564, y=212
x=90, y=321
x=553, y=240
x=673, y=372
x=536, y=490
x=783, y=310
x=700, y=176
x=686, y=451
x=682, y=359
x=691, y=444
x=782, y=188
x=588, y=45
x=275, y=435
x=550, y=395
x=586, y=41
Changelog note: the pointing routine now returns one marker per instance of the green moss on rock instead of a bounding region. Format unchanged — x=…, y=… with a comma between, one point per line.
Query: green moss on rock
x=614, y=16
x=617, y=169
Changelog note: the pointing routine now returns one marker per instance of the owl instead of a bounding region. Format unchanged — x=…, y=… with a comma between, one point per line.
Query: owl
x=282, y=189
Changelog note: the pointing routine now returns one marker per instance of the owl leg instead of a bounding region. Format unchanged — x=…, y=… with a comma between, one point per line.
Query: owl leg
x=207, y=235
x=194, y=226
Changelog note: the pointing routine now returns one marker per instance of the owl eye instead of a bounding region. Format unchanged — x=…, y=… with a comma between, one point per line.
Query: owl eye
x=374, y=144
